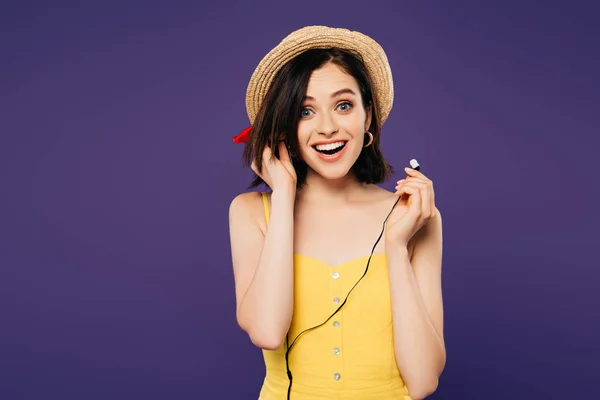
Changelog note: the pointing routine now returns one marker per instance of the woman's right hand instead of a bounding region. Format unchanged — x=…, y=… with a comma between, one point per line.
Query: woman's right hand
x=277, y=173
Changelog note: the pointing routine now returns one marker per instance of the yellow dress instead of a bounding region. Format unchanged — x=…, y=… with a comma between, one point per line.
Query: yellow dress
x=351, y=357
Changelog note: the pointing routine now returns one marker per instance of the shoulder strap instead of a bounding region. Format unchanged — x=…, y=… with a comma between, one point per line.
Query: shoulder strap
x=266, y=205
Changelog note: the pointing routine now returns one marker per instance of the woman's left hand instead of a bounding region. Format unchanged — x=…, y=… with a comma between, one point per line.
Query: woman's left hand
x=410, y=214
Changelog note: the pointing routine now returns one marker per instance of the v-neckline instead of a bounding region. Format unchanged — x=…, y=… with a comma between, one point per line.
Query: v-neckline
x=375, y=255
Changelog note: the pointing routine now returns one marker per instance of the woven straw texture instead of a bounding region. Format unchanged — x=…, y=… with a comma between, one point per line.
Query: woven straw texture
x=323, y=37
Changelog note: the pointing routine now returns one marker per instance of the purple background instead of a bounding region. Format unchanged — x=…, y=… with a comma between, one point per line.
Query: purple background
x=117, y=169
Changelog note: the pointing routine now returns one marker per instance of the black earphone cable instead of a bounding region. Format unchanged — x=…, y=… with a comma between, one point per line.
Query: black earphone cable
x=289, y=347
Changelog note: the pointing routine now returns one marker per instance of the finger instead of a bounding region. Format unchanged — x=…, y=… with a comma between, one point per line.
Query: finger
x=267, y=154
x=400, y=183
x=428, y=193
x=403, y=196
x=416, y=200
x=411, y=179
x=425, y=192
x=283, y=153
x=415, y=173
x=412, y=186
x=414, y=179
x=418, y=185
x=425, y=201
x=432, y=199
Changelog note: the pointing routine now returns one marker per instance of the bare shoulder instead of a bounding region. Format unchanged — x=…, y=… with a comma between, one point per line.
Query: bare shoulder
x=383, y=197
x=247, y=208
x=244, y=202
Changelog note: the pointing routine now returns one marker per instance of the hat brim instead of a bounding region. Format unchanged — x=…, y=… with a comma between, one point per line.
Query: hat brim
x=323, y=37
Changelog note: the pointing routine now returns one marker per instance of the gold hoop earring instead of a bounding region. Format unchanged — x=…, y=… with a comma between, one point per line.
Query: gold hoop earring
x=370, y=139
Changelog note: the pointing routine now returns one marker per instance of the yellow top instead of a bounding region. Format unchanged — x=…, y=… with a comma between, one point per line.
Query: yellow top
x=351, y=357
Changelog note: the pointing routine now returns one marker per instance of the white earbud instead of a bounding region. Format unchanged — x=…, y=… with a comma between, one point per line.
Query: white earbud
x=414, y=164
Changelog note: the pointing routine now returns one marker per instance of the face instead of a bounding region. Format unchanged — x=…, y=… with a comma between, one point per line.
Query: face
x=333, y=122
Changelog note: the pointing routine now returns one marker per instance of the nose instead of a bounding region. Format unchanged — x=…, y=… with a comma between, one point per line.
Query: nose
x=326, y=125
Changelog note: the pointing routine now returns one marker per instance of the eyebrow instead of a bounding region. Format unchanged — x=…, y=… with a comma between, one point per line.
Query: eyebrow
x=341, y=91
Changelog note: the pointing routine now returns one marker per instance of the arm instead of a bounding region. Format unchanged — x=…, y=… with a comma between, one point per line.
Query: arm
x=263, y=267
x=417, y=309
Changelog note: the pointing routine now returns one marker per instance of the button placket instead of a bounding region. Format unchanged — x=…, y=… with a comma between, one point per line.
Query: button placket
x=336, y=344
x=335, y=286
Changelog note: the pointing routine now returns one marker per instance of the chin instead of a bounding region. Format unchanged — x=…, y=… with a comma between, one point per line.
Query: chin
x=332, y=173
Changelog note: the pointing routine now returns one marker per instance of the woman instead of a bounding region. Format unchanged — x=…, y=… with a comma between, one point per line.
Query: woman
x=338, y=312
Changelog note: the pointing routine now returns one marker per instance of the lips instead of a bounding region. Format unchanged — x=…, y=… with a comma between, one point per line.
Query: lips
x=330, y=149
x=330, y=152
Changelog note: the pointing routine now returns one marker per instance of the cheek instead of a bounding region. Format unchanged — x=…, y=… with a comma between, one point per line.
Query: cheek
x=303, y=133
x=352, y=124
x=357, y=147
x=355, y=124
x=303, y=152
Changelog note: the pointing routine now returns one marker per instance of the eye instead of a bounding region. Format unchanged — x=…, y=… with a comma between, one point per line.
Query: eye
x=347, y=104
x=302, y=112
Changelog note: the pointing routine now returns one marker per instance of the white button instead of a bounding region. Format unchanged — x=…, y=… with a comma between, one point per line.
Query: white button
x=335, y=275
x=336, y=351
x=336, y=300
x=336, y=324
x=337, y=376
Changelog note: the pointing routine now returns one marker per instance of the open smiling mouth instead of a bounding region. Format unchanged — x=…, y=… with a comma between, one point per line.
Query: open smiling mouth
x=331, y=148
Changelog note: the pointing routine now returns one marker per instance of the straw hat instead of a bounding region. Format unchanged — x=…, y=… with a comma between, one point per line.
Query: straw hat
x=321, y=37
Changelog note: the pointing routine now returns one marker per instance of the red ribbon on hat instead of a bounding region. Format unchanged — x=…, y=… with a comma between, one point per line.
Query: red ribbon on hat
x=242, y=137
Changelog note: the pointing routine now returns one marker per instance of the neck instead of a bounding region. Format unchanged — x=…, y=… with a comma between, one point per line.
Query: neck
x=330, y=190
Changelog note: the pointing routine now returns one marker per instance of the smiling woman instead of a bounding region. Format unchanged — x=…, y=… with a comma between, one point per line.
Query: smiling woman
x=341, y=125
x=321, y=90
x=337, y=312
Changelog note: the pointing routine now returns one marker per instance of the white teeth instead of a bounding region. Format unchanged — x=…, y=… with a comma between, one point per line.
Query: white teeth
x=329, y=146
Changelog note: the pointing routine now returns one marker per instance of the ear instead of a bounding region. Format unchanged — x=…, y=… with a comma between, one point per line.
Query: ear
x=369, y=117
